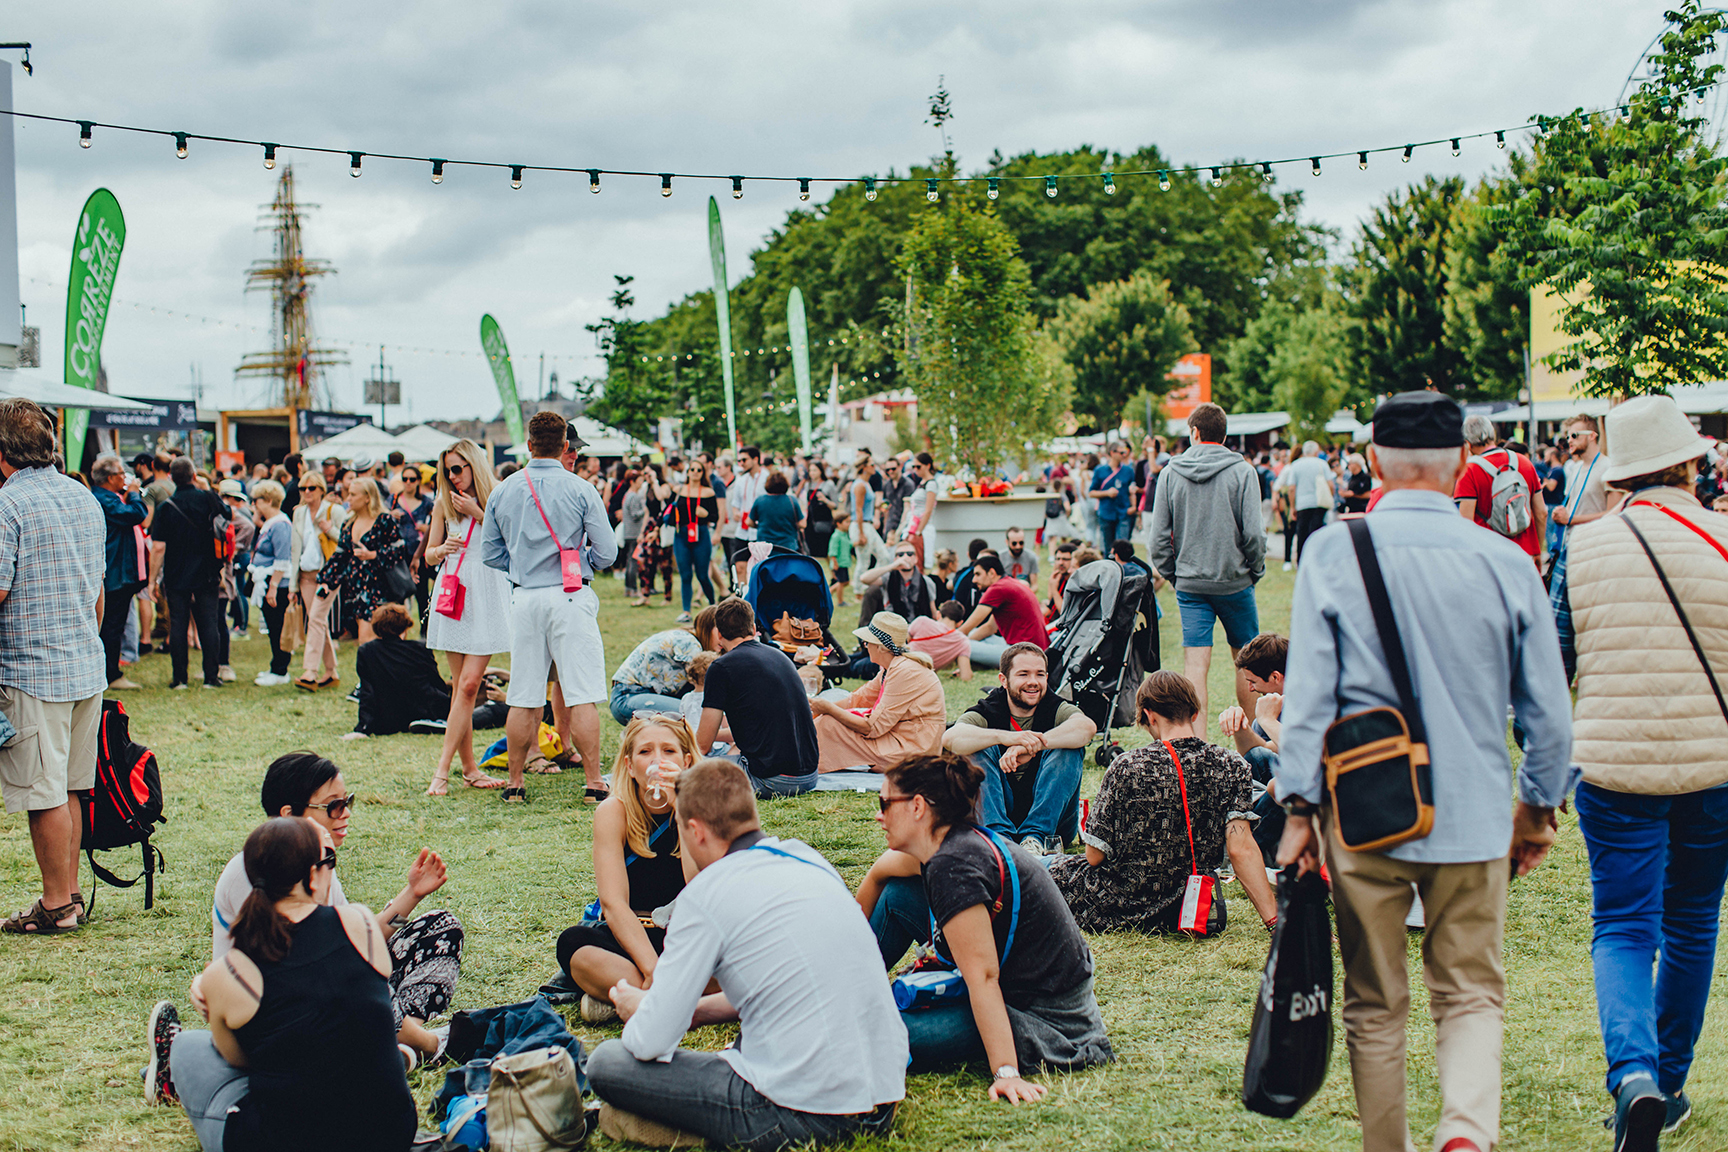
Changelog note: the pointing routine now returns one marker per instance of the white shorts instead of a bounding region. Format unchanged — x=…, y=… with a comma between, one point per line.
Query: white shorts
x=54, y=752
x=550, y=626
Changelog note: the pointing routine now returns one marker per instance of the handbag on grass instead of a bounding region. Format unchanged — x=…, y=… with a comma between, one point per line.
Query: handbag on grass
x=935, y=980
x=452, y=597
x=1378, y=777
x=534, y=1103
x=1201, y=912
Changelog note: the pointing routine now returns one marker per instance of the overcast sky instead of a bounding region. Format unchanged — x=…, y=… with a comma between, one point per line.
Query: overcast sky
x=829, y=88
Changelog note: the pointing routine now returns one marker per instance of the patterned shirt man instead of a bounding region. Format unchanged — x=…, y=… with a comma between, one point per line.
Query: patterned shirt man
x=52, y=539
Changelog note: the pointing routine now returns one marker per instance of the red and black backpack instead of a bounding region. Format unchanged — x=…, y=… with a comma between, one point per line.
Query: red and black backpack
x=126, y=804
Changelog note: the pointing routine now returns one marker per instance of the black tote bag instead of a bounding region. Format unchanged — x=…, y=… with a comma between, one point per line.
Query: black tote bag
x=1290, y=1043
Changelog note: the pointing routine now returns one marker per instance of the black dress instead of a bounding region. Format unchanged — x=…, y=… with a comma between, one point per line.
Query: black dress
x=361, y=582
x=655, y=881
x=321, y=1053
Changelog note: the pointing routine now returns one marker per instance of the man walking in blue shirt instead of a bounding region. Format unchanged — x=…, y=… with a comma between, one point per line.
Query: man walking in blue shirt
x=1475, y=625
x=1112, y=486
x=532, y=520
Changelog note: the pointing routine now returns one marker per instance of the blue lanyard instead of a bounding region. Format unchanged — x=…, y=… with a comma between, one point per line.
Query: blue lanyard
x=1013, y=875
x=1579, y=495
x=631, y=857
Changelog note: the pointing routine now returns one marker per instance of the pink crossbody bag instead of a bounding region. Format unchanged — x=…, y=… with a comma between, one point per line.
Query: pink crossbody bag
x=451, y=595
x=569, y=559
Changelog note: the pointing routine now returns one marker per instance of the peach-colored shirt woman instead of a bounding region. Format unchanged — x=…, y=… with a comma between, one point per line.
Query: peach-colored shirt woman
x=907, y=715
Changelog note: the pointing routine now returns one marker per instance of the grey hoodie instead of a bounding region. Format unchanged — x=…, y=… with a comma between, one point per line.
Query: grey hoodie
x=1207, y=536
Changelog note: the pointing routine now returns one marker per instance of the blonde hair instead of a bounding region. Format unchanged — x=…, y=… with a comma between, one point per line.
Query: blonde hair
x=484, y=480
x=629, y=790
x=270, y=492
x=697, y=669
x=918, y=657
x=374, y=493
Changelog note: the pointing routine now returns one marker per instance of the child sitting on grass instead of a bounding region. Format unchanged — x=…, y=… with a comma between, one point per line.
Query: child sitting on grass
x=690, y=704
x=840, y=555
x=942, y=641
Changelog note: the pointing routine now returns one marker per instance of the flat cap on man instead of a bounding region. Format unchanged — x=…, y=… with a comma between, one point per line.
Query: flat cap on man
x=1419, y=420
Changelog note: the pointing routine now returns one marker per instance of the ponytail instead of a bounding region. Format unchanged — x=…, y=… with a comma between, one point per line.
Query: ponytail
x=279, y=855
x=948, y=783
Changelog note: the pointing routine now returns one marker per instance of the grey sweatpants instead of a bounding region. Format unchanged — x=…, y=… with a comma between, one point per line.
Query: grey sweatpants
x=208, y=1086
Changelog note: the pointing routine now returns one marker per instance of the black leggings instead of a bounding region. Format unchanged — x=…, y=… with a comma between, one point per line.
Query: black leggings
x=582, y=936
x=273, y=618
x=1308, y=522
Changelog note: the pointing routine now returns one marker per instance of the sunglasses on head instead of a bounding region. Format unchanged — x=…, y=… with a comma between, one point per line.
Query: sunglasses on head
x=336, y=807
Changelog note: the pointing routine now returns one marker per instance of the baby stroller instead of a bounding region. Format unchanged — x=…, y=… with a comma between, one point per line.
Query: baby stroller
x=794, y=584
x=1103, y=644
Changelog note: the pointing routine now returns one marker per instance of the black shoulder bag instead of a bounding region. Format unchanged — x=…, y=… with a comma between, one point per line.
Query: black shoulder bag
x=1378, y=777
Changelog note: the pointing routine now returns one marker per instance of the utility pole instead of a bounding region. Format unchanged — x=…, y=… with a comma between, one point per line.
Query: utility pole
x=383, y=388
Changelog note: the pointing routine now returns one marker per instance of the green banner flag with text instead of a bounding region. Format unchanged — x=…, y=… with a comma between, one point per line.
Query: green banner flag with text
x=799, y=334
x=723, y=314
x=498, y=355
x=89, y=290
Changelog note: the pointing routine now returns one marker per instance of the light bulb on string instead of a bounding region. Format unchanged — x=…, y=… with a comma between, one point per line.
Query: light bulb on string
x=1500, y=139
x=1315, y=161
x=515, y=175
x=1109, y=183
x=1454, y=145
x=665, y=183
x=1266, y=172
x=84, y=133
x=1217, y=177
x=737, y=187
x=180, y=145
x=1408, y=149
x=1050, y=187
x=594, y=180
x=1362, y=161
x=930, y=192
x=270, y=156
x=354, y=164
x=437, y=171
x=994, y=188
x=1163, y=179
x=870, y=188
x=803, y=187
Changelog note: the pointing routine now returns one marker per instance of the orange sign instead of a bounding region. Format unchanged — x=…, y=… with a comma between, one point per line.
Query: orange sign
x=1195, y=373
x=227, y=460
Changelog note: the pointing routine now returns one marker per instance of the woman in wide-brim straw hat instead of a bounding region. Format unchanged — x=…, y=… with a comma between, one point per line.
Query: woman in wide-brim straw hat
x=900, y=713
x=1648, y=586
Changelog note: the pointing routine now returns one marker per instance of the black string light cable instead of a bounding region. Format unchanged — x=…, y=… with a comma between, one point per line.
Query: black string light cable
x=932, y=184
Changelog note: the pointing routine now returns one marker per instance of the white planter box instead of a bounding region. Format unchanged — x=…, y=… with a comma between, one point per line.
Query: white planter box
x=957, y=522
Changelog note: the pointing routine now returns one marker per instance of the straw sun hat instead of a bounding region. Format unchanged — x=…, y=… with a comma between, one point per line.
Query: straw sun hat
x=889, y=629
x=1649, y=434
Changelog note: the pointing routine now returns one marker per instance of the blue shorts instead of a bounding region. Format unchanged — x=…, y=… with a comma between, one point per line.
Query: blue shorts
x=1237, y=611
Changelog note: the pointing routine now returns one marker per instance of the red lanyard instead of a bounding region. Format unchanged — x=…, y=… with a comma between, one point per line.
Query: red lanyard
x=1182, y=783
x=1707, y=538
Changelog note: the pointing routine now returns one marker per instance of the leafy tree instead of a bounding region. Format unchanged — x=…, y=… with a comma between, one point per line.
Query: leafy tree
x=1308, y=370
x=1627, y=223
x=1486, y=307
x=971, y=354
x=1396, y=287
x=1121, y=340
x=632, y=397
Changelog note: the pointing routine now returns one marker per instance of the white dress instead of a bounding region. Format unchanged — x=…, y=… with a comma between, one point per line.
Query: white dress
x=484, y=629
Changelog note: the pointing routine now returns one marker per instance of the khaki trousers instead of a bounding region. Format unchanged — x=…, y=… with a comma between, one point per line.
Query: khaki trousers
x=1465, y=905
x=320, y=649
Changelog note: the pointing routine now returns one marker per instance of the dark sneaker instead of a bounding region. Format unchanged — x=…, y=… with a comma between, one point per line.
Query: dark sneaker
x=561, y=989
x=1639, y=1112
x=158, y=1079
x=1679, y=1108
x=428, y=727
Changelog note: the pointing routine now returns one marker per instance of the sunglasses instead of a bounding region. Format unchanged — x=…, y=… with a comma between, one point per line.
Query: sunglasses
x=455, y=469
x=328, y=860
x=904, y=555
x=886, y=802
x=336, y=807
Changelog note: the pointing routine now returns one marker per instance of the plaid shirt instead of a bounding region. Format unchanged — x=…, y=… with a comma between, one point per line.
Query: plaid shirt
x=52, y=536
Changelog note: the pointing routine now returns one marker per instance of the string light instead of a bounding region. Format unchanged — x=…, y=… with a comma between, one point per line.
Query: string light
x=1266, y=172
x=1109, y=184
x=1362, y=161
x=995, y=187
x=270, y=156
x=1315, y=160
x=870, y=188
x=803, y=187
x=180, y=145
x=594, y=180
x=515, y=175
x=1164, y=180
x=354, y=164
x=437, y=171
x=1217, y=178
x=1050, y=187
x=737, y=187
x=930, y=192
x=1500, y=139
x=1454, y=145
x=665, y=183
x=83, y=133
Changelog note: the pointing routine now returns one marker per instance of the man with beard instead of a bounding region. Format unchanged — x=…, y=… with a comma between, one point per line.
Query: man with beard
x=1586, y=500
x=1031, y=745
x=1022, y=565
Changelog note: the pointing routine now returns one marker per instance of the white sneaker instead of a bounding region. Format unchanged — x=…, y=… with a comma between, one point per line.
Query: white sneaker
x=271, y=680
x=1286, y=565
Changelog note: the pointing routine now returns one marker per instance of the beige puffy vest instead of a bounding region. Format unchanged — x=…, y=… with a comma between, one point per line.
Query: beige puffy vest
x=1646, y=718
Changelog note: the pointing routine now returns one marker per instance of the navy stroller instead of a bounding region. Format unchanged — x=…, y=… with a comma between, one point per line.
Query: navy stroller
x=1103, y=644
x=790, y=583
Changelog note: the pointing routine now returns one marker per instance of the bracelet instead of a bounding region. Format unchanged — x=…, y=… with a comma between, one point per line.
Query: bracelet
x=1296, y=806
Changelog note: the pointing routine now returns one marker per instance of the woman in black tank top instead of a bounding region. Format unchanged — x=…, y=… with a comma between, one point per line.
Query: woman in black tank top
x=304, y=1010
x=637, y=868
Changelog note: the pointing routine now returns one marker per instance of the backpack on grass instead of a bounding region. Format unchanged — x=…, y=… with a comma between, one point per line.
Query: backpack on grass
x=126, y=804
x=1508, y=497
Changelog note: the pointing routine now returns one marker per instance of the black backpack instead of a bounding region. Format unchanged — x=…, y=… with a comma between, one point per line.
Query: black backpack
x=126, y=804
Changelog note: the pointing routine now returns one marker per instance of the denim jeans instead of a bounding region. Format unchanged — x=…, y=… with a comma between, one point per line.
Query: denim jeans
x=1112, y=530
x=1657, y=865
x=1262, y=764
x=937, y=1037
x=628, y=698
x=207, y=1084
x=987, y=653
x=699, y=1092
x=1055, y=800
x=693, y=556
x=1237, y=611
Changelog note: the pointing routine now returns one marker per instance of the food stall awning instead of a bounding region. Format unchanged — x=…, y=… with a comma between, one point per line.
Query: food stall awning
x=54, y=394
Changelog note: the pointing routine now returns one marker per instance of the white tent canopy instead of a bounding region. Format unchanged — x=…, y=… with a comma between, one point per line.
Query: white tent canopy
x=52, y=393
x=602, y=440
x=360, y=440
x=1238, y=423
x=424, y=442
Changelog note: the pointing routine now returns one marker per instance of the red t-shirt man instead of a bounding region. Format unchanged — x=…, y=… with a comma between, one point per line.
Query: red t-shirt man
x=1012, y=604
x=1477, y=483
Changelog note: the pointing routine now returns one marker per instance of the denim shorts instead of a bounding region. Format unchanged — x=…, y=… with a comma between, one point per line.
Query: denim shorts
x=1237, y=611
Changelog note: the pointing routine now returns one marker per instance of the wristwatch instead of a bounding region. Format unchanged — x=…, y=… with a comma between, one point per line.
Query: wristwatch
x=1296, y=806
x=1007, y=1072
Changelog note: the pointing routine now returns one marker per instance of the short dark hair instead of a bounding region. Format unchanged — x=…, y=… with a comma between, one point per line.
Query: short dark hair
x=546, y=434
x=952, y=610
x=777, y=483
x=291, y=780
x=734, y=619
x=1014, y=651
x=26, y=433
x=1122, y=549
x=948, y=783
x=1169, y=694
x=718, y=793
x=391, y=621
x=989, y=562
x=750, y=450
x=293, y=462
x=1208, y=423
x=144, y=460
x=1066, y=546
x=1264, y=655
x=396, y=459
x=926, y=459
x=975, y=546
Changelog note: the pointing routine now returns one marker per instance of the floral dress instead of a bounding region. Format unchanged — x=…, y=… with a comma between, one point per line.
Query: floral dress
x=361, y=582
x=651, y=556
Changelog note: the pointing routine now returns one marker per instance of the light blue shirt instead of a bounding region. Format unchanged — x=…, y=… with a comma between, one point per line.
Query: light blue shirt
x=1478, y=635
x=514, y=537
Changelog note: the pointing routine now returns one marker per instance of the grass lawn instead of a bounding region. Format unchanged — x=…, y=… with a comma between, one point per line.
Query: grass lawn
x=73, y=1011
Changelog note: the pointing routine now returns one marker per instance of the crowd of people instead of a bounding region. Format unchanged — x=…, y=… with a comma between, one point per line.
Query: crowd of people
x=1509, y=579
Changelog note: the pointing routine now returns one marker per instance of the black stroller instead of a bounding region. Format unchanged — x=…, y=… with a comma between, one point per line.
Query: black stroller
x=1103, y=644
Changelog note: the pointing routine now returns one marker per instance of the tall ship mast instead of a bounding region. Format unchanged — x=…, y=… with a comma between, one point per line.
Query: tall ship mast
x=296, y=362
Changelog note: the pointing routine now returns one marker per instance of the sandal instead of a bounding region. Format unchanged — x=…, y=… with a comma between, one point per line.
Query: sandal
x=39, y=921
x=515, y=795
x=83, y=913
x=596, y=794
x=440, y=785
x=483, y=781
x=306, y=684
x=329, y=682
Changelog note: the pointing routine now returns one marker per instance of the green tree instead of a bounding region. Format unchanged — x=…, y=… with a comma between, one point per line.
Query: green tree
x=1396, y=288
x=971, y=353
x=1122, y=339
x=632, y=397
x=1627, y=223
x=1308, y=370
x=1486, y=307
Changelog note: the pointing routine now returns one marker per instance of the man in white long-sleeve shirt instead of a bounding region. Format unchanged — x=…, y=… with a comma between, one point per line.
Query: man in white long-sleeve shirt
x=822, y=1052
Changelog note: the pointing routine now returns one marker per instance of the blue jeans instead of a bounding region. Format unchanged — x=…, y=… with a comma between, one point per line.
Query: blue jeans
x=207, y=1086
x=1262, y=764
x=1201, y=610
x=1055, y=799
x=937, y=1037
x=628, y=698
x=987, y=653
x=1112, y=530
x=694, y=556
x=1657, y=866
